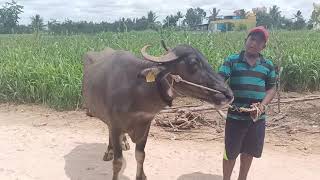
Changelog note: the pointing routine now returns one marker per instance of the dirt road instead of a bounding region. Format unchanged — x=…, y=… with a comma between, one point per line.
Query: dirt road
x=37, y=143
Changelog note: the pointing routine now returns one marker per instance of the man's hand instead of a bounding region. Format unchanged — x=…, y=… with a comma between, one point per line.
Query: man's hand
x=258, y=109
x=269, y=96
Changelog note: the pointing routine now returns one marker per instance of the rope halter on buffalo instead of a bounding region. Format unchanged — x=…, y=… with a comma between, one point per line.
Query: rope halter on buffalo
x=178, y=79
x=254, y=107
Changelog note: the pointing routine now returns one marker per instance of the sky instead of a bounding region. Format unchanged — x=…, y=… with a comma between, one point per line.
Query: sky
x=111, y=10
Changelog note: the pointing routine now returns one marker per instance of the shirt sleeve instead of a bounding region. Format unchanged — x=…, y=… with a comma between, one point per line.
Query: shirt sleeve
x=225, y=69
x=271, y=78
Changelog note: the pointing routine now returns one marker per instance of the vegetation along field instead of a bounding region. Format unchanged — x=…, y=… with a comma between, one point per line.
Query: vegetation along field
x=48, y=69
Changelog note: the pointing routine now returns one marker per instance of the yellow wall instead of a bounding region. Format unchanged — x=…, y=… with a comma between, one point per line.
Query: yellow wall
x=250, y=22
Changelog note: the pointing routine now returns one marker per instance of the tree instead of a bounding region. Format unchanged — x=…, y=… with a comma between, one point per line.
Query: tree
x=9, y=16
x=201, y=14
x=271, y=19
x=191, y=17
x=23, y=29
x=151, y=19
x=263, y=19
x=53, y=26
x=179, y=16
x=214, y=14
x=37, y=23
x=194, y=16
x=300, y=23
x=122, y=27
x=141, y=24
x=241, y=12
x=286, y=23
x=315, y=16
x=275, y=15
x=69, y=27
x=170, y=21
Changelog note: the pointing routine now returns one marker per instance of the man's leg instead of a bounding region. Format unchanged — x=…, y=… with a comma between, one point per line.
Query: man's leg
x=245, y=163
x=235, y=132
x=227, y=168
x=252, y=147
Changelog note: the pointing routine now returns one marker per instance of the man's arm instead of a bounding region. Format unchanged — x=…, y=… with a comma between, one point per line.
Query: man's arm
x=271, y=88
x=270, y=94
x=262, y=106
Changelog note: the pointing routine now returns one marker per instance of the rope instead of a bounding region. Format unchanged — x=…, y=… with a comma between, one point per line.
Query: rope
x=253, y=108
x=178, y=79
x=242, y=109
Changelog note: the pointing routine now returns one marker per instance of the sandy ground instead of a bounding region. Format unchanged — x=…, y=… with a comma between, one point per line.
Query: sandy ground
x=37, y=143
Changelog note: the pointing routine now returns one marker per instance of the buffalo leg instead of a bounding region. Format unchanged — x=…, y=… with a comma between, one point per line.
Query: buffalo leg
x=117, y=150
x=88, y=113
x=108, y=155
x=140, y=154
x=124, y=143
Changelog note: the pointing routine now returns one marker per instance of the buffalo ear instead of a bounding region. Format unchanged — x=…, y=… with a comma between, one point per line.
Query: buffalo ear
x=150, y=74
x=158, y=75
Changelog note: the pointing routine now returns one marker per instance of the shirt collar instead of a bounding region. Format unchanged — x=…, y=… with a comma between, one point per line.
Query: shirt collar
x=260, y=61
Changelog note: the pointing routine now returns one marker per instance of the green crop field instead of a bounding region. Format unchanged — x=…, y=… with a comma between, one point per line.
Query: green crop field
x=48, y=69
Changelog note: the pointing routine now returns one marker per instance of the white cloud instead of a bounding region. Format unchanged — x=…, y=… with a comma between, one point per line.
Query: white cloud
x=108, y=10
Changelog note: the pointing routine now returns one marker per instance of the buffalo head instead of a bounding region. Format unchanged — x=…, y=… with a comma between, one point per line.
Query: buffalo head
x=191, y=65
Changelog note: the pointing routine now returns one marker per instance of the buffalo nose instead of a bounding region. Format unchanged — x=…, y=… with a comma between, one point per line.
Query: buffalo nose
x=229, y=94
x=229, y=97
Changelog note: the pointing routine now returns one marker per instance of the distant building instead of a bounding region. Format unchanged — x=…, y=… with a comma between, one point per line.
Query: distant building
x=316, y=25
x=200, y=27
x=233, y=22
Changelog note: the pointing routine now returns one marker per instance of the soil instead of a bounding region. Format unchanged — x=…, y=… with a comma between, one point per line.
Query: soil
x=42, y=144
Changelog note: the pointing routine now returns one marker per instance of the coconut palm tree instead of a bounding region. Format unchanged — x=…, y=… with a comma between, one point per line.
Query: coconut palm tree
x=37, y=23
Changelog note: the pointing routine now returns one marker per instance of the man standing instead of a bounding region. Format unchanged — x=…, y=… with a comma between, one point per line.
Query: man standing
x=252, y=80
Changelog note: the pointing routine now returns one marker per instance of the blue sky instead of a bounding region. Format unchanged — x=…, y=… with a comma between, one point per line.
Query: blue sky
x=107, y=10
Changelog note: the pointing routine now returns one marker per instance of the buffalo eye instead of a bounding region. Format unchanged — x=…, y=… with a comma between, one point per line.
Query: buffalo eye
x=193, y=66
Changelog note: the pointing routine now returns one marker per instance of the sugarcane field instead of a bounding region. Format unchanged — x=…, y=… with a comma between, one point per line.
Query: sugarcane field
x=135, y=90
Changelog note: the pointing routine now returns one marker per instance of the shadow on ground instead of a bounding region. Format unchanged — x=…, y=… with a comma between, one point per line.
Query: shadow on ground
x=199, y=176
x=84, y=162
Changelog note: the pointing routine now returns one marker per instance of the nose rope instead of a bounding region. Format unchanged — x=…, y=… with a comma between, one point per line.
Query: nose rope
x=178, y=79
x=172, y=83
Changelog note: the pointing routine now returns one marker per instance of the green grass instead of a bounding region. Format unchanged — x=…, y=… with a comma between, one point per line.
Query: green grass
x=48, y=69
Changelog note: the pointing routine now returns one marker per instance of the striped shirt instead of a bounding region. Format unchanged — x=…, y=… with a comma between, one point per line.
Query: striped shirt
x=248, y=83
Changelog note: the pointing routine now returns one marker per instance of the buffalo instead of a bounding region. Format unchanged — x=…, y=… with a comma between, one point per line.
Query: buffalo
x=126, y=92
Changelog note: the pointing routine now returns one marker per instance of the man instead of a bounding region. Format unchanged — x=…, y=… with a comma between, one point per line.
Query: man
x=252, y=80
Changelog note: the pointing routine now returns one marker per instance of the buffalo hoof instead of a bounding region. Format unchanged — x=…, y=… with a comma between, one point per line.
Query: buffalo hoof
x=108, y=156
x=143, y=177
x=88, y=113
x=125, y=146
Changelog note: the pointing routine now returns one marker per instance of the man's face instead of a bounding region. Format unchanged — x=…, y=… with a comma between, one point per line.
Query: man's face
x=255, y=43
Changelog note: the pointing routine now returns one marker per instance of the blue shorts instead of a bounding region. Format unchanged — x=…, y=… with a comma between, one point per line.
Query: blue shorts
x=242, y=136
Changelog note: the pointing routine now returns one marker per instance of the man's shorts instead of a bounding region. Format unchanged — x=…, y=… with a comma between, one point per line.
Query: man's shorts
x=242, y=136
